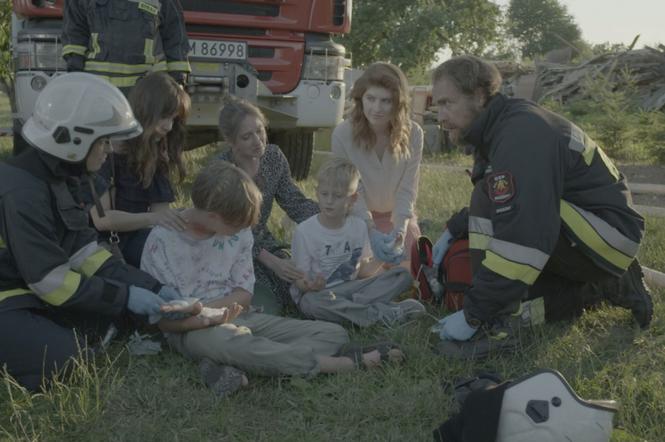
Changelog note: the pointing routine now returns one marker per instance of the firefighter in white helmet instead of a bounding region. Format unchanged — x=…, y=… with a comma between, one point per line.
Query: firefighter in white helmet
x=53, y=274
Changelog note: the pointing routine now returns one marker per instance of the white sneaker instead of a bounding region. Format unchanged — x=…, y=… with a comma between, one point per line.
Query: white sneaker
x=532, y=312
x=409, y=309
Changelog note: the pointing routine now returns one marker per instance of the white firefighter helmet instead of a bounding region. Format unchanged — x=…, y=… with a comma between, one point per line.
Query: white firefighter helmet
x=75, y=110
x=543, y=407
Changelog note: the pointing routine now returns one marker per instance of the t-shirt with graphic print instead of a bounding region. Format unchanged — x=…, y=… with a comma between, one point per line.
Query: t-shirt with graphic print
x=200, y=268
x=335, y=254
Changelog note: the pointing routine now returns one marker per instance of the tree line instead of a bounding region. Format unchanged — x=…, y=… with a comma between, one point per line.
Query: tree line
x=409, y=33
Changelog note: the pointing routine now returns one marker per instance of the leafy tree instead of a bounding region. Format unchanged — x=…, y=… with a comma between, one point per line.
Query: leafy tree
x=408, y=33
x=6, y=74
x=541, y=25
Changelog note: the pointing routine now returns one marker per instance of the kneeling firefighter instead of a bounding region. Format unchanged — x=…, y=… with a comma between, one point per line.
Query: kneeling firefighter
x=55, y=280
x=550, y=216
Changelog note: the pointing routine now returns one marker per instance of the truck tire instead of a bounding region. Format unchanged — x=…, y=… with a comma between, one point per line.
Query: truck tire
x=298, y=146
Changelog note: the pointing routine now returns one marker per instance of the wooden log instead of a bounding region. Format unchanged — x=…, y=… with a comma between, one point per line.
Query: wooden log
x=642, y=188
x=651, y=211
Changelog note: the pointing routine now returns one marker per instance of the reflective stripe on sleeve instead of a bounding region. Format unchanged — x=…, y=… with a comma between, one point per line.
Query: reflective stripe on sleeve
x=89, y=259
x=69, y=286
x=514, y=261
x=480, y=232
x=74, y=49
x=77, y=258
x=603, y=239
x=58, y=285
x=509, y=269
x=519, y=254
x=582, y=143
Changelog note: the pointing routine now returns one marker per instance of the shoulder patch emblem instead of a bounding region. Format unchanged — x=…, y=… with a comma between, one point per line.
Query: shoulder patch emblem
x=500, y=187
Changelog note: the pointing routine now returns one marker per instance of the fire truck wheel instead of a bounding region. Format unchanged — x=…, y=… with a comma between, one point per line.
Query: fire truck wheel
x=297, y=146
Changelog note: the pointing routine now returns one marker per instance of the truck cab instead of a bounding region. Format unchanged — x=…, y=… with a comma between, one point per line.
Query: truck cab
x=278, y=54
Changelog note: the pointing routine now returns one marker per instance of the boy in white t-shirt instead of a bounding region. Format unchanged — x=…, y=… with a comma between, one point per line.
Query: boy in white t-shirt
x=332, y=249
x=211, y=263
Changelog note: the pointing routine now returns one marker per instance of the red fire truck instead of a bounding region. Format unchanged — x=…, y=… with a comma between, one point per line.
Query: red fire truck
x=278, y=54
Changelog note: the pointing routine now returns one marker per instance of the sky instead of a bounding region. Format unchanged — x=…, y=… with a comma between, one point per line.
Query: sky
x=618, y=21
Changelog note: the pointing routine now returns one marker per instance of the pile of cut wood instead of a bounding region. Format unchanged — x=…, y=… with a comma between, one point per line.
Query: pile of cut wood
x=565, y=82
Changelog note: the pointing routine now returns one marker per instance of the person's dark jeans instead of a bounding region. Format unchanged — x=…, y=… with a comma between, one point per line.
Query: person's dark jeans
x=131, y=245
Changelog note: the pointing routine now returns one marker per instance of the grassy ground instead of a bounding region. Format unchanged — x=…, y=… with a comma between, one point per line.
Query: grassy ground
x=5, y=121
x=129, y=398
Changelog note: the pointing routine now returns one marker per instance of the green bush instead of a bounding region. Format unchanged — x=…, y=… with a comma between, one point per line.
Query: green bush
x=610, y=115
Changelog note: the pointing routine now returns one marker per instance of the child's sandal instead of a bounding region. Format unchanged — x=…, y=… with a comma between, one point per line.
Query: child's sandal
x=355, y=352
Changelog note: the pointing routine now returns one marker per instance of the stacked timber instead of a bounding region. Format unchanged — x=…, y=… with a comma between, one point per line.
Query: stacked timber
x=646, y=69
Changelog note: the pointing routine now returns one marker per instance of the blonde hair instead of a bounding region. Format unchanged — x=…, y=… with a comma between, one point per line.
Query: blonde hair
x=470, y=74
x=228, y=191
x=339, y=173
x=390, y=77
x=155, y=97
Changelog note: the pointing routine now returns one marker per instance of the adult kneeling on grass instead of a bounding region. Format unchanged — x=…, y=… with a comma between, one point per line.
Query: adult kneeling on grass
x=57, y=285
x=550, y=215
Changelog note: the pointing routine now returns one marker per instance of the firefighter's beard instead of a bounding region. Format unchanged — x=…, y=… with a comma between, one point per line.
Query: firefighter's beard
x=456, y=137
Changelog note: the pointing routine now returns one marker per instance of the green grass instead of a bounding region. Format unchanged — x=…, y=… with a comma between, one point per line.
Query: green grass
x=160, y=397
x=6, y=143
x=155, y=398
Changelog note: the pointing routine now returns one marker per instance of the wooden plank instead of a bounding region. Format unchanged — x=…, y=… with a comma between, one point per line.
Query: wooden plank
x=643, y=188
x=650, y=210
x=653, y=278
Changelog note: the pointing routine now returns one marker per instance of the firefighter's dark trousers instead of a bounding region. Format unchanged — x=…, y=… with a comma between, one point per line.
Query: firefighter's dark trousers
x=568, y=280
x=37, y=344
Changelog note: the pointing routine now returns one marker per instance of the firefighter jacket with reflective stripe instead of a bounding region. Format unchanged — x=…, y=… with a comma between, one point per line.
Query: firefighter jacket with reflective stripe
x=49, y=255
x=122, y=40
x=543, y=176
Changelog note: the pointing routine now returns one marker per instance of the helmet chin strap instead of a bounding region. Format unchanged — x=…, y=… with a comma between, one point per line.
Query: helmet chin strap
x=95, y=197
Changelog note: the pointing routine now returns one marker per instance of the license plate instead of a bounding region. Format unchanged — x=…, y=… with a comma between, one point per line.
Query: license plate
x=218, y=49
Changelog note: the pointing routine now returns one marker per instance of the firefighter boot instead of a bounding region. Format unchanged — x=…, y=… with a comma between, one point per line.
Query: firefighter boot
x=631, y=292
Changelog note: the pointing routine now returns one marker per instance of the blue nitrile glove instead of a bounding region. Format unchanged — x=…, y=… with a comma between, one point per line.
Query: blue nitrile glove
x=455, y=328
x=396, y=253
x=172, y=316
x=440, y=248
x=380, y=243
x=169, y=293
x=143, y=302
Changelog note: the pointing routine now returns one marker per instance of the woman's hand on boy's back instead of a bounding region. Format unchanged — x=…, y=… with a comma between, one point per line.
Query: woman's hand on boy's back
x=284, y=268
